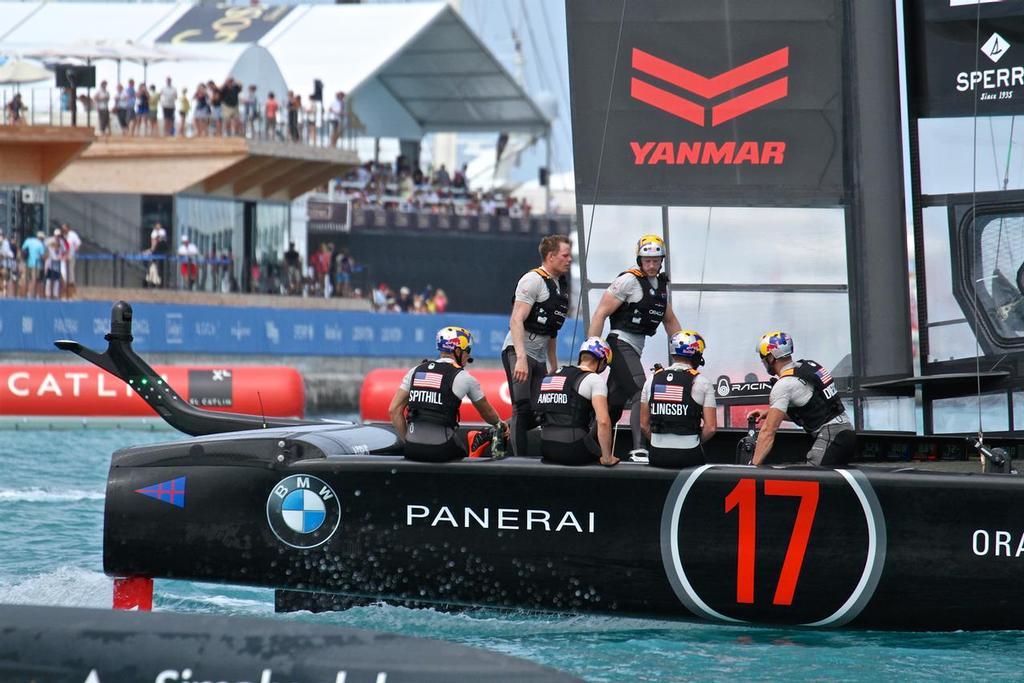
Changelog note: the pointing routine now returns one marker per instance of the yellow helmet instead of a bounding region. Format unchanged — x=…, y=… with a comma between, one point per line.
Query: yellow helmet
x=775, y=344
x=650, y=246
x=687, y=344
x=451, y=338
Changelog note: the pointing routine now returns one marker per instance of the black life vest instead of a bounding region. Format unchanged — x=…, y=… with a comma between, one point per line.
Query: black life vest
x=824, y=404
x=559, y=399
x=673, y=410
x=547, y=317
x=431, y=398
x=644, y=316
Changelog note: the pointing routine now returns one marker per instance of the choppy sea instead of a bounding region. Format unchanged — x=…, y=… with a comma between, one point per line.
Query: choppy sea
x=51, y=518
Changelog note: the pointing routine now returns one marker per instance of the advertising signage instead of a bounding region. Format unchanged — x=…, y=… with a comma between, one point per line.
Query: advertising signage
x=966, y=56
x=740, y=100
x=222, y=23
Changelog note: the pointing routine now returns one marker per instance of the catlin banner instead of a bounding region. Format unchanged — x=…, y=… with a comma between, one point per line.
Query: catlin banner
x=706, y=100
x=965, y=55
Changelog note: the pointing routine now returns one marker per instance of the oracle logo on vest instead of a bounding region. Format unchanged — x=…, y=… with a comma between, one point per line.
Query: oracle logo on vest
x=648, y=67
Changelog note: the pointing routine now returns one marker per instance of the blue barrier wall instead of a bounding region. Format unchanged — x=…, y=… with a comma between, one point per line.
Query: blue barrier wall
x=226, y=330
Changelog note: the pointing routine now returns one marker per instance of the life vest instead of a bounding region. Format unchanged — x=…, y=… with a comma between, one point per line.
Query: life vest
x=824, y=404
x=673, y=410
x=431, y=398
x=559, y=399
x=644, y=316
x=547, y=317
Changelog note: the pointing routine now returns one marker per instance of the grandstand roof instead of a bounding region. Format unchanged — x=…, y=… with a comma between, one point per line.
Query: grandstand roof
x=409, y=69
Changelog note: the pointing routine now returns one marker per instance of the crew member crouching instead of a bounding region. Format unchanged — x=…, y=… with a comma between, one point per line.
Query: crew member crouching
x=570, y=400
x=678, y=411
x=425, y=408
x=806, y=394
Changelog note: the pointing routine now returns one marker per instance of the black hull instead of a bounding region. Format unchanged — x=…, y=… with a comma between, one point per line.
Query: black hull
x=867, y=547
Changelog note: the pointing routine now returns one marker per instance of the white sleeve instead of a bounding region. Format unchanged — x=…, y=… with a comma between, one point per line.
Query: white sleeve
x=645, y=393
x=531, y=289
x=406, y=384
x=704, y=392
x=466, y=384
x=626, y=288
x=593, y=385
x=782, y=394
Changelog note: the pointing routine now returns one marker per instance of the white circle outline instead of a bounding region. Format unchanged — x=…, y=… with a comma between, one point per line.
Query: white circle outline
x=857, y=600
x=337, y=522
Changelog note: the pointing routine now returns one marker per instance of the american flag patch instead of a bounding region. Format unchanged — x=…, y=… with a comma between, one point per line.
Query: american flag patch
x=428, y=380
x=668, y=392
x=554, y=383
x=823, y=375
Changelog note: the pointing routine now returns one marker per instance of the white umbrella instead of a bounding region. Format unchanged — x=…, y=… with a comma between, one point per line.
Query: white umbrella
x=16, y=71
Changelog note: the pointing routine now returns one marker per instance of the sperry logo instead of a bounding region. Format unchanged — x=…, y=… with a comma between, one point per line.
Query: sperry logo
x=709, y=88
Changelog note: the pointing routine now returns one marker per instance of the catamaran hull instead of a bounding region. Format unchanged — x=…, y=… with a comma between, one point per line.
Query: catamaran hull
x=859, y=547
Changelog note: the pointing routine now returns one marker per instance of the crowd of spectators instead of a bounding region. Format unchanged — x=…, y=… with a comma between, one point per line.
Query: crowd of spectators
x=399, y=187
x=230, y=108
x=429, y=300
x=41, y=266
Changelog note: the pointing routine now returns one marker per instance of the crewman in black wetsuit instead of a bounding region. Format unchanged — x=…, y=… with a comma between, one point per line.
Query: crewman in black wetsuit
x=539, y=307
x=570, y=400
x=637, y=303
x=805, y=394
x=425, y=408
x=678, y=412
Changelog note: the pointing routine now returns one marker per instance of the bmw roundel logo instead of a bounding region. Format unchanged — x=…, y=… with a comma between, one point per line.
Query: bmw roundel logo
x=303, y=511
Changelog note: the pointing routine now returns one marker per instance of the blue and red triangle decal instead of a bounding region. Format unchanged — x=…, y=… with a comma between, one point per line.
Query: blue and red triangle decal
x=171, y=491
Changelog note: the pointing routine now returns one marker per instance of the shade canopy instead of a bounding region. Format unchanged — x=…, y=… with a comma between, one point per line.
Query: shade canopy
x=15, y=71
x=408, y=69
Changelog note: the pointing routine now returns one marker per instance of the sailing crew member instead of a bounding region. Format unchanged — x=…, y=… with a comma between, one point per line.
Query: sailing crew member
x=425, y=408
x=570, y=399
x=636, y=303
x=805, y=394
x=678, y=411
x=539, y=307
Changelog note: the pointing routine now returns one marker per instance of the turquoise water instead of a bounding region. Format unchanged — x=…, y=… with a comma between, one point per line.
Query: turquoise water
x=51, y=517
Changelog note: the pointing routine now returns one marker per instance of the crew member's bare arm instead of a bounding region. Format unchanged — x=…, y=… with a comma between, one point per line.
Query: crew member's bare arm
x=608, y=305
x=766, y=437
x=710, y=425
x=604, y=430
x=671, y=322
x=553, y=355
x=489, y=414
x=520, y=312
x=397, y=412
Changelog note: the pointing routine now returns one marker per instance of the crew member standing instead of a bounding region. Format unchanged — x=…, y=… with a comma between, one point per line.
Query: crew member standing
x=636, y=303
x=425, y=408
x=677, y=406
x=539, y=308
x=570, y=400
x=805, y=394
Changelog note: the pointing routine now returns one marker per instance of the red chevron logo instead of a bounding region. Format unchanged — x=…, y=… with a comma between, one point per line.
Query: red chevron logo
x=709, y=88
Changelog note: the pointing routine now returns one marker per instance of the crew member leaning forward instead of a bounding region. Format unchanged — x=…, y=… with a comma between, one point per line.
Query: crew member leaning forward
x=636, y=303
x=678, y=412
x=539, y=307
x=805, y=394
x=425, y=408
x=570, y=400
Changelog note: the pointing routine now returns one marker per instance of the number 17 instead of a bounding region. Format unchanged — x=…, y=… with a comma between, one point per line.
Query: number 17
x=744, y=497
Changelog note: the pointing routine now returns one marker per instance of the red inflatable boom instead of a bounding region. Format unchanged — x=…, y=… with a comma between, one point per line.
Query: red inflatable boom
x=87, y=391
x=380, y=385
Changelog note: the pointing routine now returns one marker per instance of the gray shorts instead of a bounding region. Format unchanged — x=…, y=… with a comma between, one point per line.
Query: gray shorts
x=834, y=446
